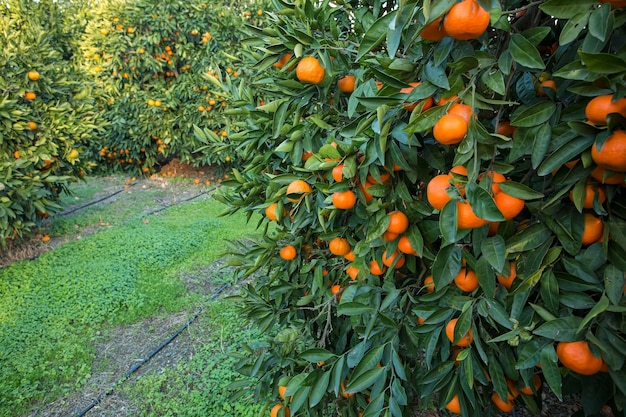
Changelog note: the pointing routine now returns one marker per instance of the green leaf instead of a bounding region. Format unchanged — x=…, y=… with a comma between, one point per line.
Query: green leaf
x=573, y=27
x=603, y=63
x=614, y=284
x=524, y=52
x=319, y=389
x=565, y=9
x=528, y=116
x=448, y=221
x=353, y=309
x=564, y=329
x=494, y=250
x=486, y=277
x=365, y=380
x=518, y=190
x=564, y=154
x=482, y=203
x=494, y=80
x=375, y=35
x=551, y=371
x=574, y=71
x=601, y=23
x=317, y=355
x=600, y=307
x=529, y=238
x=536, y=34
x=446, y=266
x=549, y=291
x=369, y=361
x=541, y=144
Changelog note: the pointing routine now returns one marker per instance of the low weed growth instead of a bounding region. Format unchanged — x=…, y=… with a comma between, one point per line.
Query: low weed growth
x=51, y=308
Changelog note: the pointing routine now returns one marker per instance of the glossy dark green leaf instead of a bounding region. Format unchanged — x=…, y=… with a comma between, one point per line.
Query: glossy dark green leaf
x=551, y=371
x=536, y=34
x=573, y=27
x=563, y=329
x=601, y=23
x=448, y=221
x=318, y=389
x=529, y=238
x=494, y=80
x=482, y=203
x=375, y=35
x=598, y=308
x=580, y=270
x=534, y=115
x=541, y=144
x=436, y=75
x=518, y=190
x=603, y=63
x=365, y=380
x=549, y=290
x=574, y=71
x=353, y=309
x=317, y=355
x=524, y=52
x=614, y=284
x=494, y=250
x=564, y=154
x=447, y=265
x=565, y=9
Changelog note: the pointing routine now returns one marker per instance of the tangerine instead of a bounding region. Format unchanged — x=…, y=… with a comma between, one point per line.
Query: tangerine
x=494, y=178
x=33, y=75
x=504, y=128
x=429, y=284
x=450, y=129
x=344, y=199
x=504, y=406
x=404, y=246
x=577, y=357
x=590, y=195
x=508, y=205
x=310, y=71
x=376, y=269
x=454, y=406
x=600, y=107
x=388, y=260
x=507, y=281
x=433, y=31
x=528, y=390
x=466, y=280
x=466, y=219
x=428, y=102
x=300, y=187
x=274, y=411
x=612, y=153
x=465, y=340
x=616, y=178
x=346, y=84
x=288, y=252
x=352, y=272
x=462, y=110
x=593, y=230
x=30, y=95
x=270, y=212
x=338, y=173
x=339, y=246
x=398, y=222
x=547, y=84
x=436, y=191
x=466, y=20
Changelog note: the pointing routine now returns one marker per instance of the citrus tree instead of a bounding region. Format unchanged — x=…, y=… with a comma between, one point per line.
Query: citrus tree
x=444, y=185
x=46, y=110
x=157, y=66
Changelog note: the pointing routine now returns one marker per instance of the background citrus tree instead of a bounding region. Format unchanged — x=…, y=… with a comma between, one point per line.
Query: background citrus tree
x=444, y=181
x=156, y=65
x=47, y=113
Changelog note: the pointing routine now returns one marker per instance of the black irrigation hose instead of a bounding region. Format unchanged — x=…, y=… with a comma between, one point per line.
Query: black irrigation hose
x=91, y=203
x=147, y=358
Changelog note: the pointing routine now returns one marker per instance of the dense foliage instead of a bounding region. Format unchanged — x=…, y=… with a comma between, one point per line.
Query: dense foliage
x=487, y=232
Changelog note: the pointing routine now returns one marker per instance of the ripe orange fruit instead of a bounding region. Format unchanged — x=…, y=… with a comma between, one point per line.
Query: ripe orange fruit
x=344, y=199
x=613, y=179
x=494, y=178
x=346, y=84
x=528, y=390
x=276, y=408
x=384, y=177
x=590, y=194
x=288, y=252
x=507, y=281
x=428, y=102
x=338, y=173
x=398, y=222
x=16, y=154
x=504, y=406
x=300, y=187
x=601, y=106
x=281, y=391
x=45, y=238
x=388, y=260
x=450, y=129
x=429, y=284
x=335, y=289
x=352, y=272
x=454, y=406
x=577, y=357
x=504, y=128
x=376, y=269
x=465, y=340
x=309, y=70
x=404, y=246
x=593, y=229
x=466, y=280
x=544, y=85
x=33, y=75
x=32, y=125
x=339, y=246
x=350, y=256
x=466, y=219
x=436, y=191
x=508, y=205
x=270, y=212
x=466, y=20
x=30, y=95
x=612, y=153
x=462, y=110
x=433, y=31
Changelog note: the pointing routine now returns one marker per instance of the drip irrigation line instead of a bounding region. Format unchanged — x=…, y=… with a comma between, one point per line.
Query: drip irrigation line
x=151, y=355
x=91, y=203
x=179, y=202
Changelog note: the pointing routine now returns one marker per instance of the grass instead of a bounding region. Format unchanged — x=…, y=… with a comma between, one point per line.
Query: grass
x=198, y=387
x=51, y=308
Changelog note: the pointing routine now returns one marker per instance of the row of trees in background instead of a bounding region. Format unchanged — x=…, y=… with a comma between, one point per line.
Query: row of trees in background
x=98, y=87
x=442, y=186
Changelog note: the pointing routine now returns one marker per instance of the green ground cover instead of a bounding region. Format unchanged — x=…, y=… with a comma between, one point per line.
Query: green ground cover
x=53, y=307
